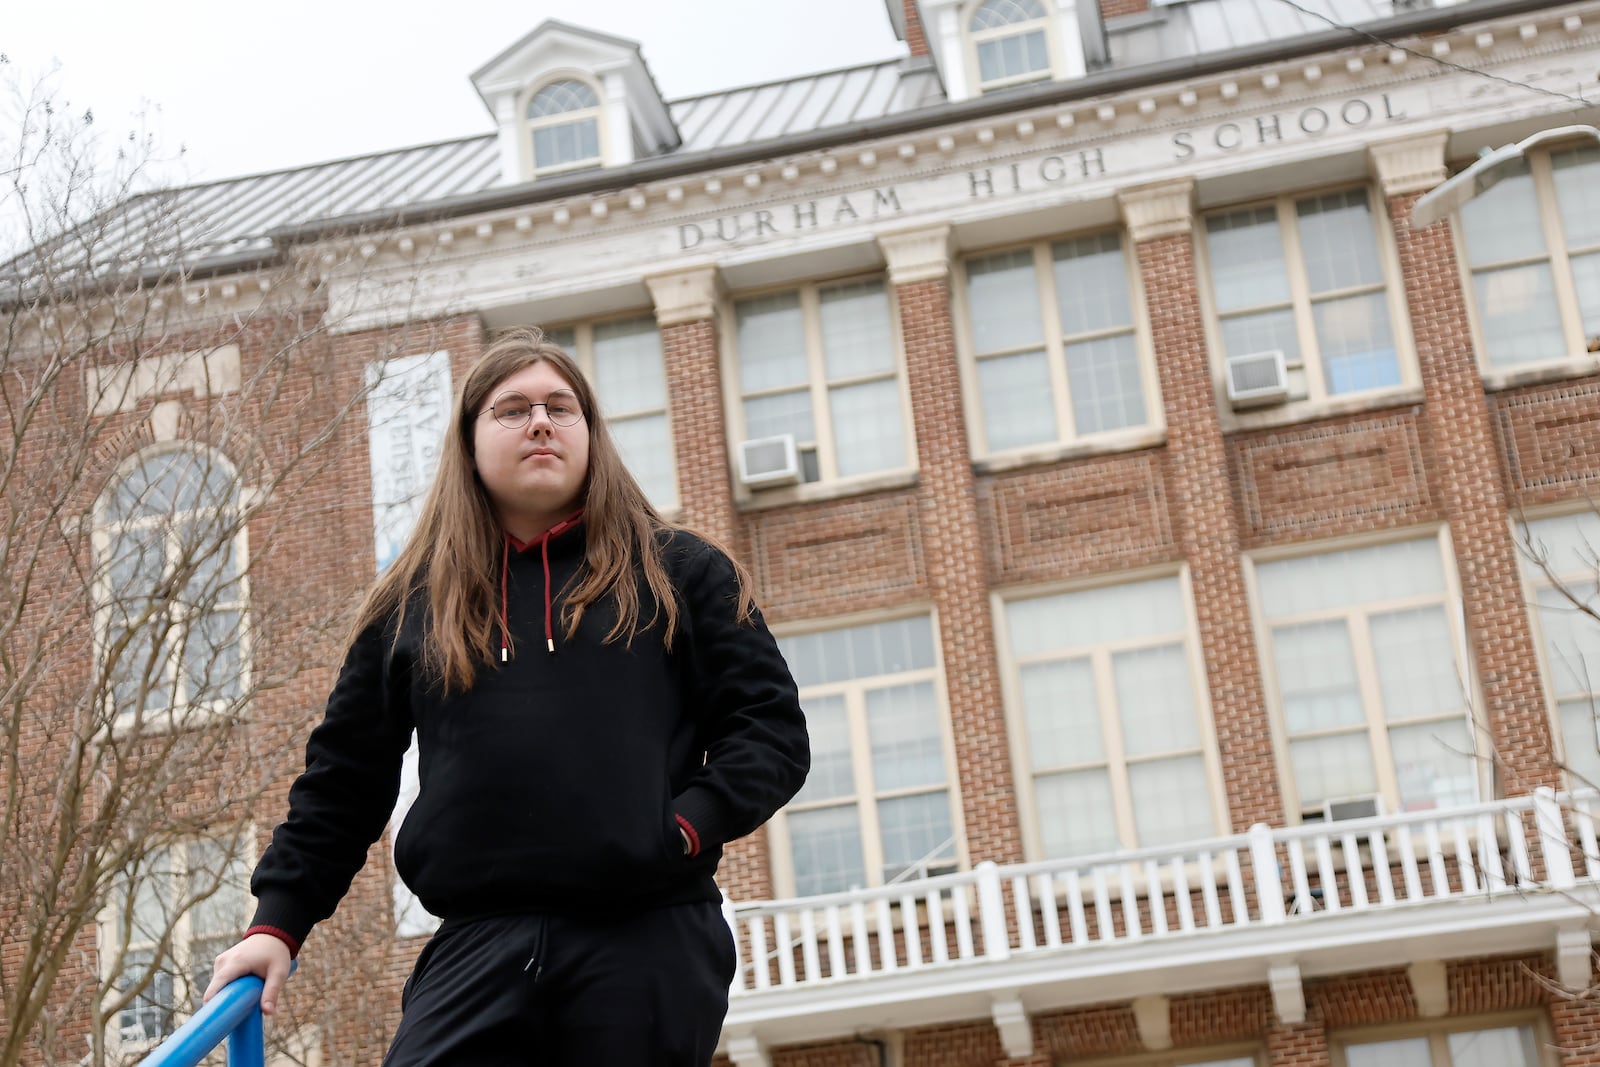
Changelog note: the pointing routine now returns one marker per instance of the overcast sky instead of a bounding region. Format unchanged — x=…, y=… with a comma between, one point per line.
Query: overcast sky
x=263, y=86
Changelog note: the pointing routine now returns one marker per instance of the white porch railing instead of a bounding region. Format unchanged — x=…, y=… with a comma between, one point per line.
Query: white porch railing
x=1263, y=879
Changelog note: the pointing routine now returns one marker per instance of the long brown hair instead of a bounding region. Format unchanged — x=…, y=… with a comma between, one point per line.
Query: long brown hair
x=455, y=548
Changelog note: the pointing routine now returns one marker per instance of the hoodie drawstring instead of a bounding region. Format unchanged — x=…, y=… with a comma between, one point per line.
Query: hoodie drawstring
x=505, y=569
x=549, y=601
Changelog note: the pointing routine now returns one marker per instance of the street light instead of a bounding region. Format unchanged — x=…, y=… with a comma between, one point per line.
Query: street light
x=1478, y=178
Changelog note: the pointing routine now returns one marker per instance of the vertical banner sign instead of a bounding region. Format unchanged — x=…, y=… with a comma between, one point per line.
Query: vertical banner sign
x=408, y=412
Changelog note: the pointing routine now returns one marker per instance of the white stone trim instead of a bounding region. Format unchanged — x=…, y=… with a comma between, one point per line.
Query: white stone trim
x=917, y=255
x=1430, y=988
x=1288, y=994
x=1016, y=1029
x=748, y=1051
x=685, y=296
x=1165, y=209
x=1153, y=1016
x=1574, y=956
x=1412, y=165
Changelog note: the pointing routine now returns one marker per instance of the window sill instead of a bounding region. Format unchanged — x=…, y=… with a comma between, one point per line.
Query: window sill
x=158, y=722
x=1296, y=411
x=1579, y=366
x=1109, y=444
x=812, y=492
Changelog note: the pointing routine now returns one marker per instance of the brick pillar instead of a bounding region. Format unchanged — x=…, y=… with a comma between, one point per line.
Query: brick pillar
x=947, y=506
x=1298, y=1044
x=1467, y=474
x=1577, y=1031
x=1160, y=220
x=686, y=305
x=916, y=39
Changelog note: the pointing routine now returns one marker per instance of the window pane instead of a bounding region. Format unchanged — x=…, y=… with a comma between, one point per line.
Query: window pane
x=1356, y=343
x=1095, y=616
x=1417, y=671
x=569, y=142
x=832, y=770
x=859, y=651
x=171, y=481
x=138, y=560
x=227, y=909
x=204, y=549
x=1246, y=254
x=645, y=444
x=1171, y=802
x=1354, y=576
x=1579, y=741
x=1154, y=700
x=1434, y=764
x=827, y=850
x=1018, y=405
x=1571, y=636
x=1246, y=334
x=1091, y=284
x=1317, y=676
x=1329, y=767
x=790, y=413
x=1075, y=814
x=1513, y=1046
x=772, y=344
x=1577, y=178
x=867, y=431
x=1103, y=377
x=993, y=14
x=856, y=337
x=211, y=669
x=150, y=1015
x=916, y=833
x=560, y=97
x=1411, y=1052
x=1503, y=223
x=1518, y=315
x=1336, y=237
x=1063, y=713
x=1586, y=280
x=1566, y=542
x=628, y=368
x=903, y=725
x=1004, y=301
x=1006, y=57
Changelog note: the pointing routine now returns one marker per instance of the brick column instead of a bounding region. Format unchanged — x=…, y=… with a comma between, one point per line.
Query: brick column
x=1160, y=220
x=1467, y=474
x=686, y=305
x=947, y=506
x=1577, y=1031
x=1298, y=1044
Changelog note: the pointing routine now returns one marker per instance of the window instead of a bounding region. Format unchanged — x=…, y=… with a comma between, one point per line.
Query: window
x=1562, y=567
x=1010, y=38
x=822, y=363
x=1533, y=248
x=1304, y=276
x=876, y=807
x=1053, y=333
x=1367, y=677
x=171, y=544
x=1109, y=689
x=193, y=897
x=623, y=359
x=564, y=127
x=1504, y=1046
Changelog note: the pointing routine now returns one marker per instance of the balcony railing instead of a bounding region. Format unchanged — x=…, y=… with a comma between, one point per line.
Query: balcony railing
x=1299, y=892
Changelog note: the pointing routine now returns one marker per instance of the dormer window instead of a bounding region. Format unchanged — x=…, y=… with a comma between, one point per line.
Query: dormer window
x=1011, y=39
x=564, y=127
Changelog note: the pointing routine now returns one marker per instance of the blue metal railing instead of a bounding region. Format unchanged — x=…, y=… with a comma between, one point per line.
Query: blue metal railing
x=233, y=1015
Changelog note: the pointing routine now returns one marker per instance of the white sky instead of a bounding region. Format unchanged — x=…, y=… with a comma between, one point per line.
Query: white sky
x=246, y=89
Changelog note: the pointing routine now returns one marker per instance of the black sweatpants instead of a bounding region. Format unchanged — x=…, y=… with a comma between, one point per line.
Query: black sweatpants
x=648, y=989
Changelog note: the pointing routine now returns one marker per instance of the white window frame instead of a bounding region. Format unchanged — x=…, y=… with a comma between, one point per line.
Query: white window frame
x=183, y=711
x=1116, y=762
x=1376, y=727
x=583, y=351
x=182, y=948
x=527, y=126
x=1189, y=1057
x=1067, y=439
x=829, y=481
x=1438, y=1035
x=974, y=38
x=1536, y=578
x=1559, y=256
x=866, y=797
x=1316, y=399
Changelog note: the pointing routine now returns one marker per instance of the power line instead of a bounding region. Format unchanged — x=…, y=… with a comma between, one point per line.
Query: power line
x=1375, y=39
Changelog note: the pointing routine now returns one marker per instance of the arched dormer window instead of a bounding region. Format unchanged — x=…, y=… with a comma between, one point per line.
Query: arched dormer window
x=564, y=127
x=1011, y=40
x=170, y=546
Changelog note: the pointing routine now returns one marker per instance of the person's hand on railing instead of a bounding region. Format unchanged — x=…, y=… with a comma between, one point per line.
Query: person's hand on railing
x=262, y=955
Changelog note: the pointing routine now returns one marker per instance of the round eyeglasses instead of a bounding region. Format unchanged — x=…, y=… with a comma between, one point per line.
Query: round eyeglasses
x=513, y=410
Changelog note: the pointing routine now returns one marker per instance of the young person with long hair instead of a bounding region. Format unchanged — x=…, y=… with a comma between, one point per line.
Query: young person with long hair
x=599, y=708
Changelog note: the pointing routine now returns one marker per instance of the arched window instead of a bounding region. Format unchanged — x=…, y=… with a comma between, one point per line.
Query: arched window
x=1011, y=41
x=564, y=127
x=170, y=545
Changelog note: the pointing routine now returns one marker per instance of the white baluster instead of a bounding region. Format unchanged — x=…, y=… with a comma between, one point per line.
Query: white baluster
x=1158, y=899
x=1408, y=863
x=1327, y=877
x=1353, y=870
x=938, y=946
x=785, y=946
x=1131, y=921
x=836, y=957
x=1019, y=891
x=1076, y=916
x=1381, y=871
x=808, y=945
x=859, y=937
x=888, y=954
x=963, y=921
x=1241, y=906
x=912, y=929
x=1180, y=893
x=1303, y=900
x=1208, y=891
x=1102, y=905
x=1464, y=860
x=1554, y=846
x=992, y=914
x=758, y=952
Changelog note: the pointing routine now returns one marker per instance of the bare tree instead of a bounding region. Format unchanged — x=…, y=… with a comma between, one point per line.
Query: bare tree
x=181, y=494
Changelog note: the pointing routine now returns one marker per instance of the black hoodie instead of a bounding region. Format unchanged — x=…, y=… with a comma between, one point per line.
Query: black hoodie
x=561, y=779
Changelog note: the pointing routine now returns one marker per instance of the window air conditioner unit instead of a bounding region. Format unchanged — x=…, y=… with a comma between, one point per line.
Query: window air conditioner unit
x=769, y=461
x=1342, y=808
x=1257, y=378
